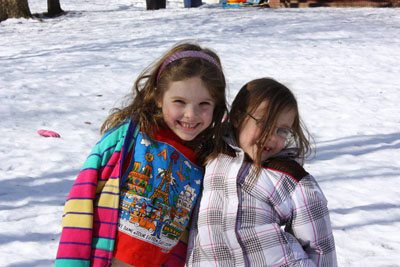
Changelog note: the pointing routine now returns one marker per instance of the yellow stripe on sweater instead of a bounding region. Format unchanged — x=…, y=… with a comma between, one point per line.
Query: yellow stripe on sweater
x=79, y=205
x=78, y=220
x=112, y=185
x=108, y=201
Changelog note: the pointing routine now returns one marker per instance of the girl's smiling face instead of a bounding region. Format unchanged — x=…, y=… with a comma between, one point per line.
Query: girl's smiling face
x=250, y=132
x=187, y=108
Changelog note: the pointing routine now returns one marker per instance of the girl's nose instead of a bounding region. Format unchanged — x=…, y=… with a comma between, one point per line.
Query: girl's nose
x=276, y=141
x=273, y=138
x=190, y=111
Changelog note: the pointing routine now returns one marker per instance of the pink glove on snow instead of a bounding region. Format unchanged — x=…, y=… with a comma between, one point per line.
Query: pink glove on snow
x=47, y=133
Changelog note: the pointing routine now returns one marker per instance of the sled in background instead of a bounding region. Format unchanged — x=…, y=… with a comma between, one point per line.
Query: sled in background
x=310, y=3
x=241, y=3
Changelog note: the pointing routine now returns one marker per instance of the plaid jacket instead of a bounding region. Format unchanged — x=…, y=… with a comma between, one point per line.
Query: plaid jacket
x=279, y=218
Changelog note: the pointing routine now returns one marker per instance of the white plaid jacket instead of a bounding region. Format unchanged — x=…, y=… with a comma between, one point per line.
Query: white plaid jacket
x=279, y=218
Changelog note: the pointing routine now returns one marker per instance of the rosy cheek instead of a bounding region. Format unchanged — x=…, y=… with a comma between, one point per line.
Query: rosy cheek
x=281, y=145
x=256, y=133
x=207, y=115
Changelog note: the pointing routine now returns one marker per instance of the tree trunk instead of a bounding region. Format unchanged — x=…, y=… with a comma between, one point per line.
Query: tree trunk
x=155, y=4
x=54, y=8
x=14, y=9
x=3, y=14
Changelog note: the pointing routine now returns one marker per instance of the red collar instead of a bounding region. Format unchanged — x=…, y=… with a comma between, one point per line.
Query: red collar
x=165, y=134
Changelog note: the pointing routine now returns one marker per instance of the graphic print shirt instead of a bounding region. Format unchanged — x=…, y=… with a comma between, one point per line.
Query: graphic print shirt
x=160, y=190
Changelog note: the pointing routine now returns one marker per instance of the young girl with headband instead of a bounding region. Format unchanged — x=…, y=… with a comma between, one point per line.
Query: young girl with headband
x=132, y=200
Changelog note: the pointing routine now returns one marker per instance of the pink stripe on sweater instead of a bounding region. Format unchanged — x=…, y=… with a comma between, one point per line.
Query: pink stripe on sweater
x=82, y=191
x=101, y=229
x=73, y=234
x=75, y=251
x=100, y=263
x=104, y=214
x=111, y=166
x=86, y=176
x=99, y=257
x=103, y=218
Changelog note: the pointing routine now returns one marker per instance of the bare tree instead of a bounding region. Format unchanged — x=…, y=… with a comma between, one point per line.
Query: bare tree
x=20, y=9
x=3, y=15
x=14, y=9
x=54, y=8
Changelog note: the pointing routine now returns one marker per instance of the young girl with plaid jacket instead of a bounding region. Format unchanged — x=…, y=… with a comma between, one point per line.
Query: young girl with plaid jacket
x=259, y=207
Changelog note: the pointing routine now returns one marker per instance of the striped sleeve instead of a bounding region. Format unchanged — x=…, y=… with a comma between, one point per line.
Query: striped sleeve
x=86, y=225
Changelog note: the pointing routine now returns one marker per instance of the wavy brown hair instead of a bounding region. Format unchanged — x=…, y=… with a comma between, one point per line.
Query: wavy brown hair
x=280, y=99
x=141, y=103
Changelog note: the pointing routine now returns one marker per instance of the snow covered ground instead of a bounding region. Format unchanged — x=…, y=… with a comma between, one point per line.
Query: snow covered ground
x=65, y=74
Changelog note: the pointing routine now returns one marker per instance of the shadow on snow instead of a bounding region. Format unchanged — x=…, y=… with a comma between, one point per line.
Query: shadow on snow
x=357, y=145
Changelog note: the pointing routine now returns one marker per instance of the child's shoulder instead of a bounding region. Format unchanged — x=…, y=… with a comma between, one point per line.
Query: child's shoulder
x=288, y=166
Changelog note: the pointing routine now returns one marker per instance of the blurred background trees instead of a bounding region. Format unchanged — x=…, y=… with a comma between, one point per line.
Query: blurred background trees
x=20, y=9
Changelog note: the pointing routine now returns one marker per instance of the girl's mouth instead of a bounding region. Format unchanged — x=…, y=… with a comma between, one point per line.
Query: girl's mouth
x=188, y=125
x=264, y=148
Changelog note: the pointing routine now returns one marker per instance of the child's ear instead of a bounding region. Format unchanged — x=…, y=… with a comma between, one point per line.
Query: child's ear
x=158, y=103
x=158, y=99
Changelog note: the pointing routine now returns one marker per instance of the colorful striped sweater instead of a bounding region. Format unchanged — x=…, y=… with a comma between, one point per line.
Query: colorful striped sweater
x=91, y=210
x=158, y=174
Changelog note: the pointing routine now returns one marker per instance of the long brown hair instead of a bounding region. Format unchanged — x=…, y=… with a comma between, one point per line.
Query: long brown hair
x=280, y=99
x=141, y=104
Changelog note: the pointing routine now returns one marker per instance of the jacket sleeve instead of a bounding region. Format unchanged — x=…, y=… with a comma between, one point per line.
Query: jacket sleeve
x=310, y=222
x=75, y=245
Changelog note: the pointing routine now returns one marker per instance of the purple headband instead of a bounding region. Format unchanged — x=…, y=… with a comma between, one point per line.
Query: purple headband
x=188, y=53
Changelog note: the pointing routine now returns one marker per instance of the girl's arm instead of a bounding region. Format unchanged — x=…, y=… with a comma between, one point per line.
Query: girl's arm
x=310, y=222
x=79, y=216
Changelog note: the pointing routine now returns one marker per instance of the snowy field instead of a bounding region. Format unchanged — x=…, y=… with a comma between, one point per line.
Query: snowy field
x=65, y=74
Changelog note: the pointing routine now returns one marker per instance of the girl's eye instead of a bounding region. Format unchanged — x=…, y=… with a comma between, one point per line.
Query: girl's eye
x=205, y=103
x=178, y=101
x=283, y=132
